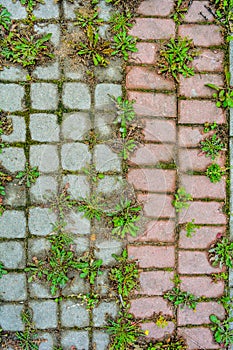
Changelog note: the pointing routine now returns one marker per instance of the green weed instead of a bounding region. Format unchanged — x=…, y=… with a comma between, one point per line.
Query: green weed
x=90, y=268
x=92, y=174
x=221, y=254
x=171, y=343
x=191, y=228
x=214, y=172
x=224, y=14
x=223, y=96
x=127, y=147
x=27, y=338
x=178, y=297
x=179, y=12
x=25, y=50
x=30, y=4
x=222, y=276
x=176, y=56
x=181, y=199
x=210, y=127
x=2, y=270
x=89, y=19
x=124, y=217
x=223, y=332
x=62, y=203
x=5, y=18
x=124, y=331
x=125, y=114
x=91, y=208
x=29, y=175
x=3, y=179
x=91, y=300
x=212, y=146
x=123, y=44
x=161, y=321
x=121, y=21
x=124, y=275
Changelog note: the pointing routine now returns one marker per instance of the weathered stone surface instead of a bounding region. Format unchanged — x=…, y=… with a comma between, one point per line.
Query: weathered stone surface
x=44, y=96
x=41, y=310
x=75, y=156
x=41, y=221
x=12, y=254
x=13, y=224
x=74, y=314
x=44, y=127
x=13, y=287
x=13, y=159
x=10, y=317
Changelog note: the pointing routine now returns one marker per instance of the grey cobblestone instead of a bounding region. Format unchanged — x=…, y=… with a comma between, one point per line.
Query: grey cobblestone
x=109, y=184
x=75, y=156
x=79, y=339
x=112, y=73
x=39, y=290
x=43, y=190
x=48, y=342
x=100, y=340
x=44, y=127
x=13, y=224
x=11, y=97
x=104, y=123
x=73, y=314
x=16, y=10
x=77, y=223
x=15, y=194
x=102, y=98
x=54, y=29
x=12, y=73
x=41, y=221
x=38, y=247
x=12, y=254
x=103, y=311
x=19, y=130
x=49, y=72
x=105, y=249
x=10, y=317
x=74, y=72
x=44, y=96
x=76, y=96
x=76, y=286
x=47, y=10
x=13, y=287
x=13, y=159
x=78, y=186
x=105, y=159
x=75, y=126
x=45, y=157
x=41, y=310
x=69, y=8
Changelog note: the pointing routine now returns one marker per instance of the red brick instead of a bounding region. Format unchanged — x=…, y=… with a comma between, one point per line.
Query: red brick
x=156, y=332
x=157, y=205
x=146, y=307
x=202, y=35
x=194, y=263
x=195, y=86
x=200, y=315
x=147, y=78
x=193, y=160
x=152, y=180
x=157, y=231
x=155, y=282
x=151, y=154
x=155, y=8
x=208, y=61
x=151, y=256
x=198, y=338
x=146, y=54
x=153, y=28
x=199, y=186
x=195, y=10
x=200, y=112
x=204, y=213
x=191, y=136
x=202, y=239
x=159, y=130
x=202, y=286
x=153, y=104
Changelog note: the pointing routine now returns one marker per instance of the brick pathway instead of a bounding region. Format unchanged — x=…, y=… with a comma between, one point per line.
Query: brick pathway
x=173, y=116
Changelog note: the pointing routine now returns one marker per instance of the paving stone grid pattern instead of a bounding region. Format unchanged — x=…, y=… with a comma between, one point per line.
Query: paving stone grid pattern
x=173, y=118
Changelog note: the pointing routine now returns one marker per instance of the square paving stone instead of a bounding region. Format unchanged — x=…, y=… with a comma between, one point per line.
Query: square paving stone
x=100, y=340
x=77, y=223
x=44, y=96
x=48, y=342
x=13, y=159
x=105, y=159
x=75, y=286
x=79, y=339
x=69, y=8
x=112, y=73
x=75, y=126
x=103, y=311
x=38, y=247
x=16, y=10
x=13, y=224
x=12, y=73
x=44, y=127
x=73, y=314
x=41, y=221
x=44, y=314
x=40, y=290
x=50, y=71
x=12, y=254
x=19, y=130
x=49, y=9
x=54, y=29
x=78, y=186
x=104, y=123
x=110, y=184
x=15, y=194
x=76, y=96
x=11, y=97
x=45, y=157
x=102, y=98
x=105, y=248
x=73, y=71
x=10, y=317
x=13, y=287
x=44, y=189
x=75, y=156
x=102, y=285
